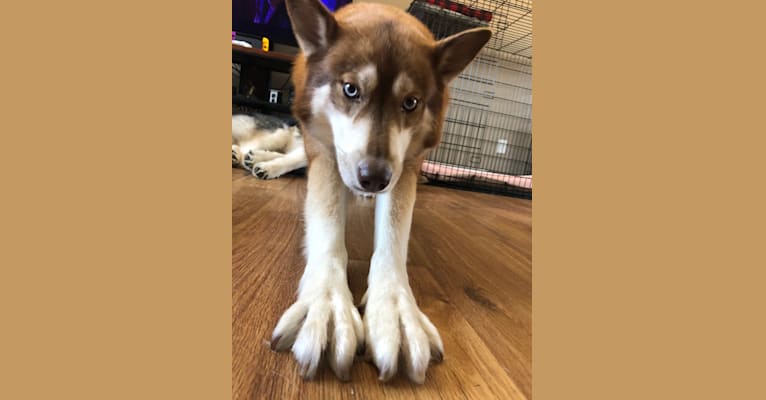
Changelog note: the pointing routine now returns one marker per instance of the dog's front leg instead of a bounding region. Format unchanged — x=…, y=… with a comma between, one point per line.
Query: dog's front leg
x=392, y=320
x=324, y=314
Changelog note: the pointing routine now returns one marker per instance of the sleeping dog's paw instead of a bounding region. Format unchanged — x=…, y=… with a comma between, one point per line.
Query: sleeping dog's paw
x=324, y=318
x=236, y=155
x=254, y=157
x=250, y=159
x=394, y=324
x=247, y=161
x=269, y=169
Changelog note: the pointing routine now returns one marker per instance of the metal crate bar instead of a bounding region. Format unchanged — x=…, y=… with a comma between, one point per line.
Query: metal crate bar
x=487, y=139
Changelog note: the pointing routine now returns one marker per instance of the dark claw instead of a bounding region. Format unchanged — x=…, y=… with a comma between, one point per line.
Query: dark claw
x=438, y=356
x=275, y=342
x=386, y=375
x=304, y=369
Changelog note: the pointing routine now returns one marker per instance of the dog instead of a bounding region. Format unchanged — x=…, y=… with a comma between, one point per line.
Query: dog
x=371, y=89
x=265, y=151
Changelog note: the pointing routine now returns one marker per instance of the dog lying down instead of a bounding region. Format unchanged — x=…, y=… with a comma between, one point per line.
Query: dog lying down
x=267, y=153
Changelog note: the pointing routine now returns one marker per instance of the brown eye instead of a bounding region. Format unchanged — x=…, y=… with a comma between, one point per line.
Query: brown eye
x=351, y=91
x=410, y=104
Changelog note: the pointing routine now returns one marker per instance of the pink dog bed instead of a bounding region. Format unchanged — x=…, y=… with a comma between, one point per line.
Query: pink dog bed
x=450, y=171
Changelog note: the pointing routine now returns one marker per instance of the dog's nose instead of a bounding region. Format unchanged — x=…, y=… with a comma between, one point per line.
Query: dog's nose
x=373, y=174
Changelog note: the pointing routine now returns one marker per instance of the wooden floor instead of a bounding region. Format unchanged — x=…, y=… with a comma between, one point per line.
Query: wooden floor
x=470, y=263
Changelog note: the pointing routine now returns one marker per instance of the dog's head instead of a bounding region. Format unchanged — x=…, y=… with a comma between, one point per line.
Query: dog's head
x=371, y=86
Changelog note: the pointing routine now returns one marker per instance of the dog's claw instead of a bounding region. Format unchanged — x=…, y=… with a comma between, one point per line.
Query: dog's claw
x=275, y=342
x=386, y=374
x=304, y=373
x=438, y=356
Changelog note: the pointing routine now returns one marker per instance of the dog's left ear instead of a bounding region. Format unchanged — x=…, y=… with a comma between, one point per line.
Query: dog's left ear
x=453, y=53
x=313, y=24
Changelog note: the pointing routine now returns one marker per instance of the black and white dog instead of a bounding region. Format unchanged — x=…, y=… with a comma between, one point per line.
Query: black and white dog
x=266, y=146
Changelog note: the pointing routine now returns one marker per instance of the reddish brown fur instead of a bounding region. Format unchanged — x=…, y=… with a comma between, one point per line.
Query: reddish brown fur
x=408, y=63
x=395, y=42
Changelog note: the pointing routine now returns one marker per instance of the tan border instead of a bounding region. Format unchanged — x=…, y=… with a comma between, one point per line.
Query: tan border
x=648, y=200
x=116, y=227
x=116, y=208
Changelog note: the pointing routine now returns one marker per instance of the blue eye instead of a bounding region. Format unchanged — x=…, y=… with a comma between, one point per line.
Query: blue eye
x=410, y=104
x=350, y=90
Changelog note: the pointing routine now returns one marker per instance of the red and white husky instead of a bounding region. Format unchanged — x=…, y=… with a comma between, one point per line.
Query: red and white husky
x=370, y=95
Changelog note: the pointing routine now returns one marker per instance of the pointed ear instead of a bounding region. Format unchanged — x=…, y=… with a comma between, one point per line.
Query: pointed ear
x=453, y=53
x=313, y=24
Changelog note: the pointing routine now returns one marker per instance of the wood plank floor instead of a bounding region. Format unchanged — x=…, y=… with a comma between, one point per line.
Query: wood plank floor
x=470, y=263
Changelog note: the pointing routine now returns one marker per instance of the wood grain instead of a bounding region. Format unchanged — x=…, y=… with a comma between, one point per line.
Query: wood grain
x=470, y=268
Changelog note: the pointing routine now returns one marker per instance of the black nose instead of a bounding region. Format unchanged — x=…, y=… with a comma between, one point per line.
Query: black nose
x=373, y=174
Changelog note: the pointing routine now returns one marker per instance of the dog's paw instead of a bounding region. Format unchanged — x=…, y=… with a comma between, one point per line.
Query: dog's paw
x=325, y=322
x=255, y=157
x=249, y=160
x=269, y=169
x=236, y=155
x=395, y=325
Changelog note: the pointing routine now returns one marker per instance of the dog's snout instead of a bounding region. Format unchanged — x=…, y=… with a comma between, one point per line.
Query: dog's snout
x=373, y=174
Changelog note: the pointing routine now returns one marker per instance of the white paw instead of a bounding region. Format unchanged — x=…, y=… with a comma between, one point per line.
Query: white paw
x=268, y=169
x=326, y=319
x=247, y=161
x=394, y=324
x=253, y=157
x=236, y=156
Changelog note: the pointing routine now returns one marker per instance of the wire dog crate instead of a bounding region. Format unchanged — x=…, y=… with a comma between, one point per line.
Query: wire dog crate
x=487, y=140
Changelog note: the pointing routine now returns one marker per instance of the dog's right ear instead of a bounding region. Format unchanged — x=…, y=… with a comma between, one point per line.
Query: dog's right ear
x=313, y=24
